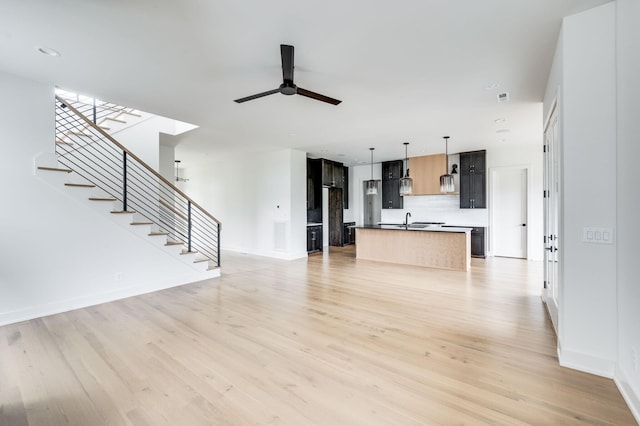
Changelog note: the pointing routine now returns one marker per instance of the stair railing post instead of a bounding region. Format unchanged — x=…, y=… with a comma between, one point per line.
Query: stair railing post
x=218, y=253
x=124, y=181
x=189, y=226
x=95, y=119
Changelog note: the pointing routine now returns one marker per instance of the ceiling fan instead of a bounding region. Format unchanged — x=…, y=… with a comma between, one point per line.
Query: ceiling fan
x=288, y=87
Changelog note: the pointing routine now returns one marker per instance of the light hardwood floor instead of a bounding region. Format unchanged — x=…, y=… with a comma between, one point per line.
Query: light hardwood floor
x=326, y=341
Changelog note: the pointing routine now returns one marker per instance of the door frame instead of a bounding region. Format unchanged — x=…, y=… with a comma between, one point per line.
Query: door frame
x=551, y=295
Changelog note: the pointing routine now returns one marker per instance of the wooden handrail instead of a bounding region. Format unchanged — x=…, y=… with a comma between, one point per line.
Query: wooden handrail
x=135, y=157
x=172, y=209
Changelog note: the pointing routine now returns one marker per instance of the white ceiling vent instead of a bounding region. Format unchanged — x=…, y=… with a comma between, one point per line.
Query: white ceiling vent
x=503, y=97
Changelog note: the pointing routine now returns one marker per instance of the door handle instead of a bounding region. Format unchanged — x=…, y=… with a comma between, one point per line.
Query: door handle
x=524, y=224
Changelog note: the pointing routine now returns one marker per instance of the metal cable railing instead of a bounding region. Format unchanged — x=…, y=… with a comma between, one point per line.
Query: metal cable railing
x=83, y=146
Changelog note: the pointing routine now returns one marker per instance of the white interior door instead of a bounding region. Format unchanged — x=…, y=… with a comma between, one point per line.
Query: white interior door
x=551, y=217
x=509, y=212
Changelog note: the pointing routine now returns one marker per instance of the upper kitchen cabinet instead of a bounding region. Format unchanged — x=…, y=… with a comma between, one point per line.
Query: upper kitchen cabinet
x=332, y=174
x=391, y=170
x=391, y=174
x=425, y=172
x=345, y=187
x=314, y=190
x=473, y=180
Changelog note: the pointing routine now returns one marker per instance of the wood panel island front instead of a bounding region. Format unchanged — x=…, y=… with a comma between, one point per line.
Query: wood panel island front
x=434, y=247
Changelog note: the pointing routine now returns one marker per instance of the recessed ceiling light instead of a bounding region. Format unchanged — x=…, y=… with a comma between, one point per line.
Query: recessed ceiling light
x=491, y=86
x=49, y=51
x=499, y=120
x=502, y=131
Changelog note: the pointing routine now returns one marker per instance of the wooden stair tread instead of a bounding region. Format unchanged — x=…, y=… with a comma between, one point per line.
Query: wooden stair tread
x=61, y=142
x=102, y=199
x=105, y=128
x=122, y=211
x=117, y=120
x=173, y=243
x=200, y=260
x=212, y=268
x=55, y=169
x=188, y=252
x=80, y=185
x=155, y=234
x=141, y=223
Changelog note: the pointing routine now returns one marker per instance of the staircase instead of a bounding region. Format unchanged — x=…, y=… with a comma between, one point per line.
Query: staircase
x=96, y=169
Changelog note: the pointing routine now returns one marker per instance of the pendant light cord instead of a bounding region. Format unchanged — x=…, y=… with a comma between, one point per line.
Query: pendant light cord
x=371, y=149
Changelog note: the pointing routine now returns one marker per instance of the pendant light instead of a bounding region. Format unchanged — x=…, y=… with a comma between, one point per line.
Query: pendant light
x=372, y=185
x=406, y=183
x=446, y=180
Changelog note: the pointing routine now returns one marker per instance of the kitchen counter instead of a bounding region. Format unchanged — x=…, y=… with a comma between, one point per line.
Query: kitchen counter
x=430, y=246
x=418, y=227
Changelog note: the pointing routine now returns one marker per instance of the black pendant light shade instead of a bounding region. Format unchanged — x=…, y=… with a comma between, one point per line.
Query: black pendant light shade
x=372, y=185
x=446, y=180
x=406, y=183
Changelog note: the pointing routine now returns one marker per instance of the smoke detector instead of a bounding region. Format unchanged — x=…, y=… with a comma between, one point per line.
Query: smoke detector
x=503, y=97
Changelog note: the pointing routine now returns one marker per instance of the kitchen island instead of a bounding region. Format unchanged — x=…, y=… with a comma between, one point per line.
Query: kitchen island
x=430, y=246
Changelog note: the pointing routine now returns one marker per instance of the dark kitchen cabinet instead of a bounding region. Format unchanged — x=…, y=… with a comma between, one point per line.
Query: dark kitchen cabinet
x=314, y=190
x=314, y=238
x=392, y=170
x=336, y=223
x=391, y=174
x=332, y=174
x=473, y=180
x=349, y=233
x=477, y=242
x=345, y=187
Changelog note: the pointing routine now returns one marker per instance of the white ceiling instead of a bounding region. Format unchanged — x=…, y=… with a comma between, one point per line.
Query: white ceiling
x=408, y=70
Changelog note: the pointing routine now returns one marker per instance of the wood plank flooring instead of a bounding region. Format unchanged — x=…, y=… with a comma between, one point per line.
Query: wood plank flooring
x=328, y=340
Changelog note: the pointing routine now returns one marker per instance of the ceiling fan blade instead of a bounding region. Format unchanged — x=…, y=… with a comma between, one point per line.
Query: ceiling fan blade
x=259, y=95
x=286, y=52
x=317, y=96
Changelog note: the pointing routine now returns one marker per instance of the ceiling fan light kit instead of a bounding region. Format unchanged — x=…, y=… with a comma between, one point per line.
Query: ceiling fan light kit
x=446, y=180
x=288, y=87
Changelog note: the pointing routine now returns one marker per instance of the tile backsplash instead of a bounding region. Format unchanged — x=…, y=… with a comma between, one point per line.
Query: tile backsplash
x=437, y=208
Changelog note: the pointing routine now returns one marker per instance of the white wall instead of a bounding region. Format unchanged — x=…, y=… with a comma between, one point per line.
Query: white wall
x=167, y=166
x=143, y=137
x=628, y=199
x=58, y=254
x=259, y=198
x=587, y=290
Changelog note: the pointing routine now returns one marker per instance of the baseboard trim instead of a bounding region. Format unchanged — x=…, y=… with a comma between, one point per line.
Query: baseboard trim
x=587, y=363
x=631, y=397
x=61, y=306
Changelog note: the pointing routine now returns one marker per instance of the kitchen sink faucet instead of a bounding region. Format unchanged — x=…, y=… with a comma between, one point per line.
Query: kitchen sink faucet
x=406, y=219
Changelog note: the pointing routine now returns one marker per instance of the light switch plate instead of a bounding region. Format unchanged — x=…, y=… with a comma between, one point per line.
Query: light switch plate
x=597, y=235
